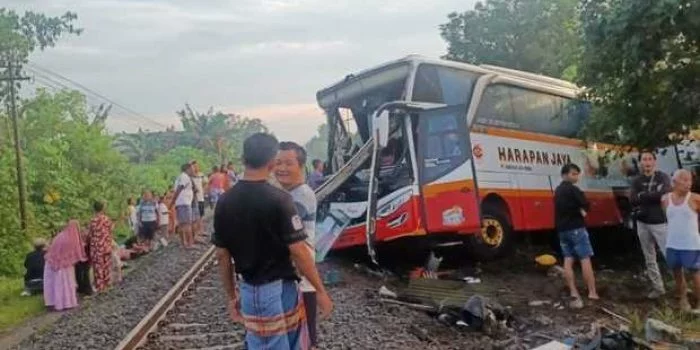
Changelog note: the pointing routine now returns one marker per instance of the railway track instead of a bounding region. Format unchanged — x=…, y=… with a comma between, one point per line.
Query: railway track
x=192, y=315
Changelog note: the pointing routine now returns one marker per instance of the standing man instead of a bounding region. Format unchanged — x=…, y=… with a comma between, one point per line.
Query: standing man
x=290, y=175
x=257, y=225
x=198, y=207
x=184, y=196
x=316, y=176
x=570, y=207
x=683, y=243
x=646, y=192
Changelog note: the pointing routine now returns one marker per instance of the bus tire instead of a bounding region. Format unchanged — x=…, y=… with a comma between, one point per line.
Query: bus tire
x=496, y=236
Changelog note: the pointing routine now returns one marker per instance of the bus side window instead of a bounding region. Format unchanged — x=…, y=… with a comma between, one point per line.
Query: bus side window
x=496, y=108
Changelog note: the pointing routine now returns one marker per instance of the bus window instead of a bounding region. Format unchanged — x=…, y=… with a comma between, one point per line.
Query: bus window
x=442, y=85
x=522, y=109
x=496, y=108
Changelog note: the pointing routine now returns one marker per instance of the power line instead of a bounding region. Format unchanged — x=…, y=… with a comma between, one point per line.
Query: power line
x=42, y=71
x=55, y=86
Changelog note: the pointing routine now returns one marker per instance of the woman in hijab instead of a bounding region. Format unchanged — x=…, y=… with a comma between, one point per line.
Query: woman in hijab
x=59, y=274
x=100, y=247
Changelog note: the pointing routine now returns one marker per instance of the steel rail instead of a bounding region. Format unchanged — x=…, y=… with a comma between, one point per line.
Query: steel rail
x=138, y=335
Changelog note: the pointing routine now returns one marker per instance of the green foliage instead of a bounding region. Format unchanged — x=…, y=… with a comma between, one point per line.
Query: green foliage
x=215, y=133
x=21, y=35
x=70, y=163
x=538, y=36
x=317, y=147
x=641, y=65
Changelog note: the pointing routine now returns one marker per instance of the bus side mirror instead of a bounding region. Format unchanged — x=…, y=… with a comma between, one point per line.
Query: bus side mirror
x=381, y=128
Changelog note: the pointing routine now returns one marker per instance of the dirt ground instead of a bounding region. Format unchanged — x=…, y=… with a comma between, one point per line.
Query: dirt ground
x=537, y=300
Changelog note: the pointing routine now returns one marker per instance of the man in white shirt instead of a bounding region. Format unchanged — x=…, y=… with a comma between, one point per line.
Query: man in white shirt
x=184, y=196
x=289, y=173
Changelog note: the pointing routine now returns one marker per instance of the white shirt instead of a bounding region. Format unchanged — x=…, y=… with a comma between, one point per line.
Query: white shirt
x=682, y=225
x=163, y=211
x=198, y=181
x=305, y=203
x=186, y=195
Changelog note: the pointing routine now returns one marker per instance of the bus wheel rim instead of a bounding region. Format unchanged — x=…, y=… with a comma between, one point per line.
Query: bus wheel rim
x=492, y=232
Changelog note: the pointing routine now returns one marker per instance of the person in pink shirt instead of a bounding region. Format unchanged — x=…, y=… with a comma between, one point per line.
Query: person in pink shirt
x=217, y=181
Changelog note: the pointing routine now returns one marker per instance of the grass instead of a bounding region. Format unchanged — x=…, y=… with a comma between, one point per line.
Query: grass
x=15, y=309
x=666, y=313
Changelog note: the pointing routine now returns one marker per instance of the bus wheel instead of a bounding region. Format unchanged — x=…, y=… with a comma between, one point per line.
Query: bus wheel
x=495, y=238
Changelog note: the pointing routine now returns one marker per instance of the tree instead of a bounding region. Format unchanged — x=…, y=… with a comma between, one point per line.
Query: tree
x=218, y=132
x=19, y=37
x=317, y=146
x=538, y=36
x=22, y=35
x=139, y=147
x=641, y=65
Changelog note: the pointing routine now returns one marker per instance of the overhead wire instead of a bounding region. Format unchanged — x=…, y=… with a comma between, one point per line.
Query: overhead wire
x=50, y=75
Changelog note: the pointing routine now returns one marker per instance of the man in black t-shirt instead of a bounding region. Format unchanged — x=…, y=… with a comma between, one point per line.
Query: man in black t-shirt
x=257, y=225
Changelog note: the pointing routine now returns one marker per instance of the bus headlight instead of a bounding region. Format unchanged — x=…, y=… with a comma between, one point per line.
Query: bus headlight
x=394, y=204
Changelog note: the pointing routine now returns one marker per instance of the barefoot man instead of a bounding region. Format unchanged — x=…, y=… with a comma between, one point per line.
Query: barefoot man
x=570, y=206
x=683, y=240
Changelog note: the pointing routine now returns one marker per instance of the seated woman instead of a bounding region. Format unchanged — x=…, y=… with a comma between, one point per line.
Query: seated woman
x=34, y=263
x=66, y=249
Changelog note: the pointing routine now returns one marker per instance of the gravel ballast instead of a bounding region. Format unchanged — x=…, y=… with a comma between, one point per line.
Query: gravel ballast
x=101, y=321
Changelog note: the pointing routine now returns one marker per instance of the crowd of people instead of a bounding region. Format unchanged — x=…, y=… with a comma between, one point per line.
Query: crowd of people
x=84, y=261
x=666, y=215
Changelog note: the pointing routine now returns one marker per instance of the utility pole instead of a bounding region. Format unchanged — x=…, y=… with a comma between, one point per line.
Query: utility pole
x=11, y=78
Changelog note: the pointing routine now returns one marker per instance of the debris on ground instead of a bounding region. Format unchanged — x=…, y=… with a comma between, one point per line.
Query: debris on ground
x=554, y=345
x=387, y=293
x=657, y=331
x=369, y=271
x=471, y=280
x=331, y=277
x=536, y=303
x=546, y=260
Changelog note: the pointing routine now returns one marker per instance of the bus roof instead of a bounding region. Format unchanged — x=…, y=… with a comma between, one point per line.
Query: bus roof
x=327, y=94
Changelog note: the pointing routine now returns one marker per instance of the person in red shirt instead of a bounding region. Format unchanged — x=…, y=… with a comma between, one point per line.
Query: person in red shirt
x=217, y=181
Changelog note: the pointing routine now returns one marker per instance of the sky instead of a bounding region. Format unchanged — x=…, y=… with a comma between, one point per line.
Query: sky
x=259, y=58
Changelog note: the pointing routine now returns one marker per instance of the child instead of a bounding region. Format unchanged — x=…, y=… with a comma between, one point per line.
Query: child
x=163, y=222
x=131, y=216
x=147, y=218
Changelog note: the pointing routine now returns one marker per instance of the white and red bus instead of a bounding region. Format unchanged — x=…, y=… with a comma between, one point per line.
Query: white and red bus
x=454, y=152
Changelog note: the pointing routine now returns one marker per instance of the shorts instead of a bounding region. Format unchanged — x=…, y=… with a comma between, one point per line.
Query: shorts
x=195, y=212
x=274, y=316
x=575, y=243
x=214, y=195
x=201, y=209
x=183, y=214
x=148, y=230
x=163, y=230
x=683, y=259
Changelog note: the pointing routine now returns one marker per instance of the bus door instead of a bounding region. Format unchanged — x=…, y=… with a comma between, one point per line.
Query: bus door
x=446, y=171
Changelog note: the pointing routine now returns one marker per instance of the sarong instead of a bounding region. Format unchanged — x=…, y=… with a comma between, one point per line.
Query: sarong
x=274, y=316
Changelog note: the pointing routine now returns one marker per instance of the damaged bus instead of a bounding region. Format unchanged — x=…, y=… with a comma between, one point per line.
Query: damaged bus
x=457, y=153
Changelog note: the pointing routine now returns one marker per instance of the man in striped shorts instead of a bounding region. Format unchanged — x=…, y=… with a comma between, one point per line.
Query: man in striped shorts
x=258, y=226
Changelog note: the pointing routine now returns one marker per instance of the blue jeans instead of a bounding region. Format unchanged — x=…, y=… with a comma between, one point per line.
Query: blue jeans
x=575, y=243
x=274, y=316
